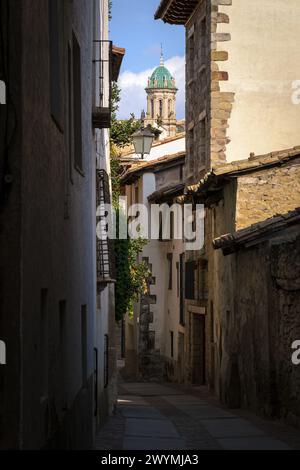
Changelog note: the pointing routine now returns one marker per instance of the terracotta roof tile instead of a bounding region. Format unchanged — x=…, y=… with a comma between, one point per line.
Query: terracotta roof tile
x=237, y=168
x=230, y=242
x=169, y=191
x=142, y=166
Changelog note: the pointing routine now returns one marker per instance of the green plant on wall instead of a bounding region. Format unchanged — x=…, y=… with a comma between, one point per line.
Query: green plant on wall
x=131, y=275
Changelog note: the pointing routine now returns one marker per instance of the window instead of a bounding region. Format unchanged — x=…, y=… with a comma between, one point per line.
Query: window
x=182, y=286
x=77, y=117
x=212, y=323
x=2, y=92
x=172, y=225
x=202, y=142
x=169, y=108
x=181, y=172
x=203, y=41
x=152, y=109
x=170, y=270
x=104, y=75
x=190, y=280
x=84, y=345
x=191, y=51
x=70, y=112
x=160, y=108
x=56, y=80
x=172, y=343
x=160, y=236
x=201, y=280
x=191, y=150
x=69, y=153
x=2, y=353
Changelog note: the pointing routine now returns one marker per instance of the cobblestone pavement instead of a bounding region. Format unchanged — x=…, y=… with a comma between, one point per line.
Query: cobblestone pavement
x=167, y=417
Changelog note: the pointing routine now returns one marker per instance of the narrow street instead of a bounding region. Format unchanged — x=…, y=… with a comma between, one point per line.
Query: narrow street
x=167, y=417
x=149, y=227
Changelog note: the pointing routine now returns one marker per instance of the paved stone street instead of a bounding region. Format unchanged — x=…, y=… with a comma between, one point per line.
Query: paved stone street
x=167, y=417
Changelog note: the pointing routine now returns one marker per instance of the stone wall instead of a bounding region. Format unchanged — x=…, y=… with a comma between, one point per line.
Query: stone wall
x=150, y=363
x=266, y=193
x=197, y=92
x=256, y=370
x=285, y=324
x=253, y=306
x=221, y=102
x=244, y=201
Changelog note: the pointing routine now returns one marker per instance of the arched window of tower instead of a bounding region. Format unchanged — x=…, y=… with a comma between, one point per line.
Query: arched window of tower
x=152, y=109
x=160, y=108
x=170, y=108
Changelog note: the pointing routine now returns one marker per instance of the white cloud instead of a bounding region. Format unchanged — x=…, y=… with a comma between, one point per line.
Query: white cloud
x=133, y=95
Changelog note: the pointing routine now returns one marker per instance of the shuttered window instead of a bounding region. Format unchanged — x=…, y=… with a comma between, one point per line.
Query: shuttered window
x=77, y=116
x=56, y=79
x=190, y=280
x=170, y=270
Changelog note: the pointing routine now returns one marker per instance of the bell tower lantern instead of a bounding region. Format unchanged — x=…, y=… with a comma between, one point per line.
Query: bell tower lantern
x=161, y=99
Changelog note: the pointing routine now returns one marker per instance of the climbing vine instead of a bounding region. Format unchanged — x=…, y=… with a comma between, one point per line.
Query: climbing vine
x=131, y=275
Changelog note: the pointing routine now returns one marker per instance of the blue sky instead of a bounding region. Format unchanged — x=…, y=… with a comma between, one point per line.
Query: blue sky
x=133, y=27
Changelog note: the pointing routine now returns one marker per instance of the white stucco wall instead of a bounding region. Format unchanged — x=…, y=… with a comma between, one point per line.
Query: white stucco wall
x=104, y=320
x=263, y=64
x=160, y=150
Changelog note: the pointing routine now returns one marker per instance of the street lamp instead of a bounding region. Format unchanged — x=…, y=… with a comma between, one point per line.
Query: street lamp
x=143, y=139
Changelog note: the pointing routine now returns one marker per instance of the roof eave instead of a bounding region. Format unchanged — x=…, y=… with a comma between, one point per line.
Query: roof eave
x=175, y=11
x=153, y=167
x=118, y=56
x=256, y=233
x=166, y=194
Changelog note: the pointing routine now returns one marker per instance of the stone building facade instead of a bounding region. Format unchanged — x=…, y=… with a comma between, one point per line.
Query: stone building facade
x=259, y=328
x=240, y=71
x=51, y=385
x=238, y=195
x=154, y=336
x=240, y=65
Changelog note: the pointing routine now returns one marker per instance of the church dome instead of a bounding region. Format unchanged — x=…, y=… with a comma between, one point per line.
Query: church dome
x=161, y=77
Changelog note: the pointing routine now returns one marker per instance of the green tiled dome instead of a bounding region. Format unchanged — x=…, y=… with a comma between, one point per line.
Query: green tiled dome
x=161, y=78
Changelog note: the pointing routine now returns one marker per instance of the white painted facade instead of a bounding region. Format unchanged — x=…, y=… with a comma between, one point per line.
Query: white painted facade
x=104, y=318
x=165, y=310
x=264, y=69
x=168, y=146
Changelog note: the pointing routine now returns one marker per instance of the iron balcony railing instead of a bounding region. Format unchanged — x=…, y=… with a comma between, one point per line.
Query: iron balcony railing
x=102, y=63
x=105, y=246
